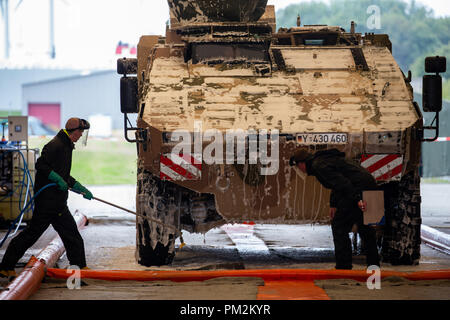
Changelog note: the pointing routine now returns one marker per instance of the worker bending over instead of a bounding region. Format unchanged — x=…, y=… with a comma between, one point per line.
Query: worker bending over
x=347, y=180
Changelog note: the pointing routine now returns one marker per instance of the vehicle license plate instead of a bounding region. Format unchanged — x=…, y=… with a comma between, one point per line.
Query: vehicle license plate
x=322, y=138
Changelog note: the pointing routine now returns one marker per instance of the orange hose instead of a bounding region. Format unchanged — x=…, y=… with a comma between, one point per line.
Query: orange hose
x=266, y=274
x=29, y=280
x=279, y=284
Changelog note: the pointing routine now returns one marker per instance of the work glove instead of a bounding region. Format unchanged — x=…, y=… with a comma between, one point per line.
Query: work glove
x=78, y=187
x=56, y=178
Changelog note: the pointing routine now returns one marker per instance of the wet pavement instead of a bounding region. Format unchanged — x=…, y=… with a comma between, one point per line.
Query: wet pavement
x=110, y=240
x=237, y=246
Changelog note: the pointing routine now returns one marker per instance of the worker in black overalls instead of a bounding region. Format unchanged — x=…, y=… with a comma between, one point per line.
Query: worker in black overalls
x=347, y=180
x=53, y=166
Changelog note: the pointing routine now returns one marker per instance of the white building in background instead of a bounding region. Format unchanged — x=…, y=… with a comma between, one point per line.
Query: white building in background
x=94, y=96
x=12, y=79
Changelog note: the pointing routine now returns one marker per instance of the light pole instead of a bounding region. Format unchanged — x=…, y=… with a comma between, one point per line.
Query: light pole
x=5, y=12
x=52, y=30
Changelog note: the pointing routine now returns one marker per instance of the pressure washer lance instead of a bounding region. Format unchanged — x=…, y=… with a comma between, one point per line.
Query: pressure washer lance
x=132, y=212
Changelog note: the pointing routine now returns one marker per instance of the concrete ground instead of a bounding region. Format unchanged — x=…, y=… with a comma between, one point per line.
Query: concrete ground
x=110, y=244
x=297, y=246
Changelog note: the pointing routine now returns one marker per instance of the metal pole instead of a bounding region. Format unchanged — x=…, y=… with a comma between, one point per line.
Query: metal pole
x=129, y=211
x=52, y=30
x=114, y=205
x=5, y=11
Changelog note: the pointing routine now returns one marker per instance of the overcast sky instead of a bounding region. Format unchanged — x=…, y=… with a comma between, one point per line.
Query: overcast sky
x=87, y=31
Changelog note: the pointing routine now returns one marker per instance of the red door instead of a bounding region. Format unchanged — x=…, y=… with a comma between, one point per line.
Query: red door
x=48, y=113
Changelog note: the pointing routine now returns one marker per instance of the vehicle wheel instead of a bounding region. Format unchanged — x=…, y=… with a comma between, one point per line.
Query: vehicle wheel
x=401, y=238
x=155, y=242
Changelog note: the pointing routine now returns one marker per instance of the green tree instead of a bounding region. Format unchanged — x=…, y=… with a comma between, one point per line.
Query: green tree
x=412, y=28
x=418, y=67
x=446, y=89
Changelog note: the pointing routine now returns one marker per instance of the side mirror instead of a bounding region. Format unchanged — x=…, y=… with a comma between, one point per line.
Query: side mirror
x=432, y=84
x=432, y=93
x=129, y=95
x=128, y=85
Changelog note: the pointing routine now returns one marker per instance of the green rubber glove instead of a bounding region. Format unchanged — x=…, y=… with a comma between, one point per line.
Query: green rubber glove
x=62, y=185
x=78, y=187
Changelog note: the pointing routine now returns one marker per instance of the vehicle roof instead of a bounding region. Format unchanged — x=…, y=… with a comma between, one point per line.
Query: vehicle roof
x=326, y=93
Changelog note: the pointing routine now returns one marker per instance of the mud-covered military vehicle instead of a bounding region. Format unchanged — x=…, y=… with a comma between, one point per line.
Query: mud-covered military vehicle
x=223, y=100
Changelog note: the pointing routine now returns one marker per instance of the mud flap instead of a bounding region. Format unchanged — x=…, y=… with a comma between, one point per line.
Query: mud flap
x=401, y=239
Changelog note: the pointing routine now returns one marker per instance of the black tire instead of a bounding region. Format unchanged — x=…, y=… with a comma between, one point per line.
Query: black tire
x=148, y=256
x=401, y=238
x=155, y=243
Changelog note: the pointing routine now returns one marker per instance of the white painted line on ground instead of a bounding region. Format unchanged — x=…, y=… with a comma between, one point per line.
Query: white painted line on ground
x=246, y=242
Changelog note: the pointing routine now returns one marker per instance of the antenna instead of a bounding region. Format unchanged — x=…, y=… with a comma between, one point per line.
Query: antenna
x=52, y=29
x=5, y=12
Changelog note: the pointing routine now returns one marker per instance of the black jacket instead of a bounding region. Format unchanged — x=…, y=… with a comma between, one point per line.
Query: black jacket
x=346, y=179
x=57, y=156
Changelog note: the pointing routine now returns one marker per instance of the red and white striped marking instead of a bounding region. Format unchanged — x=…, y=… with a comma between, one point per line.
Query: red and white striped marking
x=384, y=167
x=180, y=167
x=443, y=139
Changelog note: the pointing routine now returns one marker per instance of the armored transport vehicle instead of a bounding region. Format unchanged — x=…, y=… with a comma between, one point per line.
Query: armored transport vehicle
x=223, y=100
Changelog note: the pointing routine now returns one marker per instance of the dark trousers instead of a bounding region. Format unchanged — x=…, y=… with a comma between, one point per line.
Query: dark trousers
x=348, y=214
x=64, y=224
